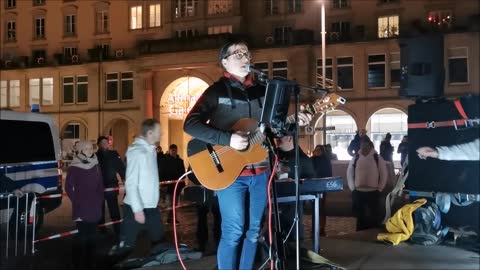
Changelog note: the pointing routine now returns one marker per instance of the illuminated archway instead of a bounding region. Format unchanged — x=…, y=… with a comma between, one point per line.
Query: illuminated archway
x=177, y=100
x=340, y=137
x=387, y=120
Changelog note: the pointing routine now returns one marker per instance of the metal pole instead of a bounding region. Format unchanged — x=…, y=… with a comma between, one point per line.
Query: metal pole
x=324, y=64
x=297, y=180
x=34, y=221
x=8, y=223
x=324, y=61
x=16, y=227
x=25, y=219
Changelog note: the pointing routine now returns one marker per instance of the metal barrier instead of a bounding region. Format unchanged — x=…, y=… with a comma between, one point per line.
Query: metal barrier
x=14, y=215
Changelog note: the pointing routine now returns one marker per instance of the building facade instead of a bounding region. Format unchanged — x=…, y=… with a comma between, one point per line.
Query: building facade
x=101, y=67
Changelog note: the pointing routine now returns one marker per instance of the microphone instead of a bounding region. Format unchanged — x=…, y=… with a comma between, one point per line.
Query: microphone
x=250, y=68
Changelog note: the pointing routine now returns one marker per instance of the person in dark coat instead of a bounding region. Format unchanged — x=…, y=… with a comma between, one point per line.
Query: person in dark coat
x=323, y=168
x=111, y=165
x=354, y=145
x=161, y=169
x=84, y=187
x=329, y=152
x=174, y=168
x=403, y=149
x=386, y=148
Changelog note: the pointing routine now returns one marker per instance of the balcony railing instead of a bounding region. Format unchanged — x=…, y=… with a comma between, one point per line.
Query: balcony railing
x=195, y=43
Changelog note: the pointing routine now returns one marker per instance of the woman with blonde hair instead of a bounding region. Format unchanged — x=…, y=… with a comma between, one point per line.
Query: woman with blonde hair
x=84, y=187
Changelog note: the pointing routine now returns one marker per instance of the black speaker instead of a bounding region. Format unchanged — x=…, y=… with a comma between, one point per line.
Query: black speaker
x=441, y=175
x=422, y=69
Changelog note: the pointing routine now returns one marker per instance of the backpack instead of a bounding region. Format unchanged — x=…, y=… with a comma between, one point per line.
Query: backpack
x=427, y=230
x=357, y=156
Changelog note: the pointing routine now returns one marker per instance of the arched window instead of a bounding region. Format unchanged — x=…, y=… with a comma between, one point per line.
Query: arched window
x=387, y=120
x=340, y=137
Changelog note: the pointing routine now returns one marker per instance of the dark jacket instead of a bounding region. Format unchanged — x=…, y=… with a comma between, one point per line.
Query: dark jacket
x=222, y=105
x=84, y=187
x=322, y=166
x=173, y=168
x=306, y=168
x=161, y=164
x=110, y=164
x=386, y=151
x=354, y=145
x=403, y=151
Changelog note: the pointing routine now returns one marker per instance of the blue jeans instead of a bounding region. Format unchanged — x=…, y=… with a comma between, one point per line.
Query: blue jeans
x=232, y=208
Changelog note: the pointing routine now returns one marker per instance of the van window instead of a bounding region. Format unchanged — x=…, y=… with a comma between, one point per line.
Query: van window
x=25, y=141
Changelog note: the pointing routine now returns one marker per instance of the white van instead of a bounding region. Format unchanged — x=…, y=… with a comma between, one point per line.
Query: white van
x=30, y=156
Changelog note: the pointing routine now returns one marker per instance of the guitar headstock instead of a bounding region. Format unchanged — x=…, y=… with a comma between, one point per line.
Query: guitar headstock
x=328, y=103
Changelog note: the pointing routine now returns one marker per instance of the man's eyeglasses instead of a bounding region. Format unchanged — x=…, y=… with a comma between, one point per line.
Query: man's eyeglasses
x=239, y=55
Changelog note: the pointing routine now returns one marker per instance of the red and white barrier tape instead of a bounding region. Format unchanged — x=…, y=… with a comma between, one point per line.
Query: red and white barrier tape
x=60, y=235
x=169, y=182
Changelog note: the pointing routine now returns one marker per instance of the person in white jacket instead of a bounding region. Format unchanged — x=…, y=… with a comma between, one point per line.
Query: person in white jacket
x=142, y=190
x=464, y=151
x=367, y=176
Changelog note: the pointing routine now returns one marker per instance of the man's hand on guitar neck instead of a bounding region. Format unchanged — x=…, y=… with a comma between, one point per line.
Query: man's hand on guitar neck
x=239, y=140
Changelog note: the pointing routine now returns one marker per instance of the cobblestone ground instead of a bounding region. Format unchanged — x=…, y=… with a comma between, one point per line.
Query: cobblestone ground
x=56, y=253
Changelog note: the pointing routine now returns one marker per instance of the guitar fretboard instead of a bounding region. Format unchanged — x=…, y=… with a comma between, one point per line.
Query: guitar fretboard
x=255, y=137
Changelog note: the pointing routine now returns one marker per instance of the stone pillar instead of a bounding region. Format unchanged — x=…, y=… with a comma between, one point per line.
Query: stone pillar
x=146, y=78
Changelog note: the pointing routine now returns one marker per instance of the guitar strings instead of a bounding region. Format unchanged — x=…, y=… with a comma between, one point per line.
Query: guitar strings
x=253, y=138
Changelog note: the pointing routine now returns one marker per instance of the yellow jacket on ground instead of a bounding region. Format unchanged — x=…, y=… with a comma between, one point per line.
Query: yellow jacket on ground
x=400, y=226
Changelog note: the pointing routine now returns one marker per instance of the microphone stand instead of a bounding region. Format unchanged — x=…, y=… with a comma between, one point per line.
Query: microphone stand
x=296, y=92
x=297, y=177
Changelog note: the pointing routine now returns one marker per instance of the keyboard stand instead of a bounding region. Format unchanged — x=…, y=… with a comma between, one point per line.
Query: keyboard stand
x=315, y=215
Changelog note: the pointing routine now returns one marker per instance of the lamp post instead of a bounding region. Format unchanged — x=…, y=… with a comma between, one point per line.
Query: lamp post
x=324, y=63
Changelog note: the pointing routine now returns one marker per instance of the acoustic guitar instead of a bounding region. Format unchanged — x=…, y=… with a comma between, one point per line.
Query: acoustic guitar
x=216, y=167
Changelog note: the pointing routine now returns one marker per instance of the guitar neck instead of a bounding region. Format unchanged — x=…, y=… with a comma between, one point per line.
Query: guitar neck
x=256, y=137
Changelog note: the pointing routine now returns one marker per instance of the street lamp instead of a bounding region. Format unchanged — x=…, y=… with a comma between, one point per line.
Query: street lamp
x=324, y=61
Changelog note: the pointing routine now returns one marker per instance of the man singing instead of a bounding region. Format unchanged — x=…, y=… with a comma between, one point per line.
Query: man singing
x=232, y=97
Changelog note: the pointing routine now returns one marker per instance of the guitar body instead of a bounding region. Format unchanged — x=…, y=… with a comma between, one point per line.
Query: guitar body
x=216, y=167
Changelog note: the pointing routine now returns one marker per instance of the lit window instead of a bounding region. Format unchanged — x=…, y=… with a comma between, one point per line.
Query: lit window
x=136, y=17
x=41, y=91
x=388, y=26
x=9, y=94
x=154, y=15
